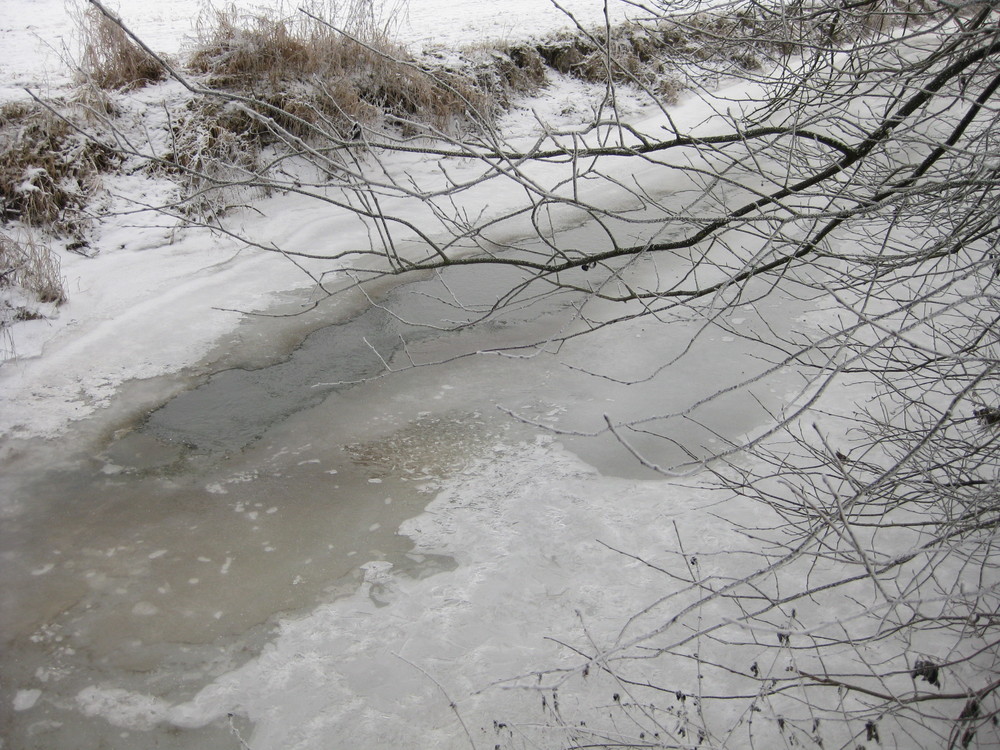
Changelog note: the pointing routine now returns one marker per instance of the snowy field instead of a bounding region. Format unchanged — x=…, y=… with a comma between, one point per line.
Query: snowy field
x=232, y=607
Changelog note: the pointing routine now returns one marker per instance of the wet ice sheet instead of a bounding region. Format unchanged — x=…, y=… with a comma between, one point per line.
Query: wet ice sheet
x=157, y=582
x=378, y=668
x=150, y=581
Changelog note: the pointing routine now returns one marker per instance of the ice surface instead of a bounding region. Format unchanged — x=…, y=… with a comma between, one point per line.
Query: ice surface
x=374, y=669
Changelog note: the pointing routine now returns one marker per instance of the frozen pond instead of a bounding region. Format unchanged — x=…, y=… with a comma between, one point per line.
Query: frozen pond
x=160, y=554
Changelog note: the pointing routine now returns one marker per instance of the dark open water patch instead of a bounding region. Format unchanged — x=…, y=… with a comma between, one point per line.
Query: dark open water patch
x=235, y=407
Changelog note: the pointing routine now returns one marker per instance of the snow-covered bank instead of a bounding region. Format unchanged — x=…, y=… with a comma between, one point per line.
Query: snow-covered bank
x=37, y=36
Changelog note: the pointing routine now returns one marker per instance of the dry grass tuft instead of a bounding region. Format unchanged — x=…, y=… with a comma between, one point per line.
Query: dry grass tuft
x=29, y=279
x=632, y=54
x=94, y=105
x=31, y=267
x=110, y=60
x=284, y=79
x=498, y=73
x=302, y=66
x=47, y=169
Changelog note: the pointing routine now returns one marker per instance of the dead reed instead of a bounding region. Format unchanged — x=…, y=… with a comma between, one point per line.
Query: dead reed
x=109, y=59
x=307, y=67
x=48, y=170
x=32, y=268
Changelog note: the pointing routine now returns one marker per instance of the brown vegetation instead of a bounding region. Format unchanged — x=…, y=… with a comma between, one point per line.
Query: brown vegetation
x=215, y=146
x=111, y=60
x=48, y=170
x=33, y=268
x=309, y=76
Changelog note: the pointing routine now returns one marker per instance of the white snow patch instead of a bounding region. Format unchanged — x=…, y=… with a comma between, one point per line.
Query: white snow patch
x=25, y=700
x=377, y=571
